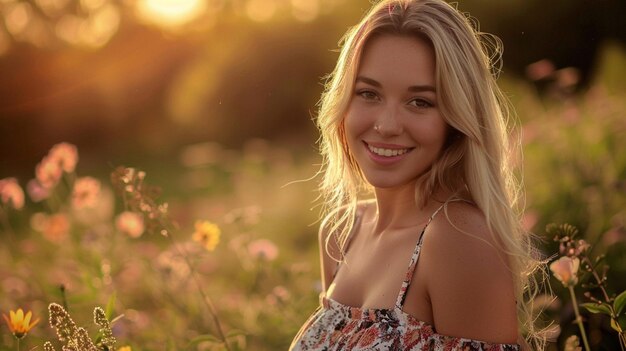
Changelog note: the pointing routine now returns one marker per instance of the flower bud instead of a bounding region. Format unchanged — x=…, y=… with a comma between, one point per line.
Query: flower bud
x=565, y=269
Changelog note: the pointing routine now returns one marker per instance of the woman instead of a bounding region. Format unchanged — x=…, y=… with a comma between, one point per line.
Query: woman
x=412, y=114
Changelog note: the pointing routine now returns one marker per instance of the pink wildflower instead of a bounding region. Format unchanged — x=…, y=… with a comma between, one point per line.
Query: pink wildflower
x=66, y=155
x=48, y=172
x=61, y=158
x=565, y=269
x=263, y=249
x=279, y=295
x=86, y=192
x=54, y=228
x=541, y=69
x=582, y=247
x=281, y=292
x=130, y=223
x=567, y=77
x=36, y=191
x=614, y=235
x=11, y=193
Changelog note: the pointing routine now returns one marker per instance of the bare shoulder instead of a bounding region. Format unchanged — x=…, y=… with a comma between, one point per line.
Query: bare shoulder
x=329, y=242
x=467, y=277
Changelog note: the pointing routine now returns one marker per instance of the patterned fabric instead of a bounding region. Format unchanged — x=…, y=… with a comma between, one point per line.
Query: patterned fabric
x=335, y=326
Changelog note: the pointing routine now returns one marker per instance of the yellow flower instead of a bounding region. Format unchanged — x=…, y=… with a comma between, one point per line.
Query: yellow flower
x=125, y=348
x=565, y=269
x=20, y=324
x=207, y=234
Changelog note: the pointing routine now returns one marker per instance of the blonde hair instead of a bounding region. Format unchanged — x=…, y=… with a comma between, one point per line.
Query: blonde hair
x=475, y=163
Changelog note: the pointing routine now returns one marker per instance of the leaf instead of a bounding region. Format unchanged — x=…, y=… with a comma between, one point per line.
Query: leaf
x=114, y=320
x=235, y=332
x=620, y=303
x=595, y=308
x=204, y=338
x=561, y=230
x=615, y=326
x=110, y=306
x=619, y=325
x=236, y=339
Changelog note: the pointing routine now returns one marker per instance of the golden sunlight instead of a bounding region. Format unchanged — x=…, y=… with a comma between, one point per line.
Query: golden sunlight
x=5, y=44
x=170, y=13
x=91, y=5
x=261, y=10
x=17, y=17
x=92, y=32
x=305, y=10
x=52, y=8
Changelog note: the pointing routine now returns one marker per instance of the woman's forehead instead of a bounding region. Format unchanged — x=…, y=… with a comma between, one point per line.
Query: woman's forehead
x=394, y=59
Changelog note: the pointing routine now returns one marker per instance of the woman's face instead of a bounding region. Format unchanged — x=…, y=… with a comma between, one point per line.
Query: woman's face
x=393, y=125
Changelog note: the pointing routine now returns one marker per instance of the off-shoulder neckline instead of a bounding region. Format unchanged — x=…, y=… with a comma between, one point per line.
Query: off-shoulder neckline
x=375, y=313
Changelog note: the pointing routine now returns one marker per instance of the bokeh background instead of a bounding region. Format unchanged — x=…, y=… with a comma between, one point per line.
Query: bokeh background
x=214, y=100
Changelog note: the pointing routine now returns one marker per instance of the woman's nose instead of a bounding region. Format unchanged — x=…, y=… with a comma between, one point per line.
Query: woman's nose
x=388, y=123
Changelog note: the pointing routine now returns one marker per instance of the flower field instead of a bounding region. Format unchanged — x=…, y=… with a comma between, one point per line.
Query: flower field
x=218, y=249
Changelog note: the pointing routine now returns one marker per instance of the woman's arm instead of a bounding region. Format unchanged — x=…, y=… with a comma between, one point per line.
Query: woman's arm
x=327, y=263
x=468, y=281
x=331, y=253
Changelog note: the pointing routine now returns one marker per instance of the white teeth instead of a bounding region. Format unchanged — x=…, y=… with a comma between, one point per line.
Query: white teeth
x=387, y=152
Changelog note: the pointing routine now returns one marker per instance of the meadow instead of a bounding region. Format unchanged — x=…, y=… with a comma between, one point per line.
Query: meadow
x=217, y=248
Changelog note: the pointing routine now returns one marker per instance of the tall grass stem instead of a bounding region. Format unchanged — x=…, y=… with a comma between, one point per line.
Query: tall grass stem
x=579, y=319
x=205, y=298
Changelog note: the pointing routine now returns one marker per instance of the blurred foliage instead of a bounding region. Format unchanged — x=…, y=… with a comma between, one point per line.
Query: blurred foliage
x=154, y=75
x=261, y=274
x=216, y=109
x=575, y=172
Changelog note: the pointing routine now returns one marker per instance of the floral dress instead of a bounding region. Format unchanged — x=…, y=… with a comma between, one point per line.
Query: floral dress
x=335, y=326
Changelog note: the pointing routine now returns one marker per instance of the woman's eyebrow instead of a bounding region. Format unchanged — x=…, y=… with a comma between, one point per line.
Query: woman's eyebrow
x=420, y=88
x=412, y=88
x=369, y=81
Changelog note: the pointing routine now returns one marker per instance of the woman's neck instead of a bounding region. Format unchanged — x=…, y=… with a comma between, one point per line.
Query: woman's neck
x=398, y=207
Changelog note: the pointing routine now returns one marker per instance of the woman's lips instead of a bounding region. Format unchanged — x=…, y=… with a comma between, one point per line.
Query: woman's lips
x=386, y=153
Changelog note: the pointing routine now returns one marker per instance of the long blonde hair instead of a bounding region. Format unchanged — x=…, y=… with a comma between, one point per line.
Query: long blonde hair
x=476, y=160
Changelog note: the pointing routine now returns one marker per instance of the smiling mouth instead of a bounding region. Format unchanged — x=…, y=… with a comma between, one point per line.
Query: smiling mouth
x=386, y=152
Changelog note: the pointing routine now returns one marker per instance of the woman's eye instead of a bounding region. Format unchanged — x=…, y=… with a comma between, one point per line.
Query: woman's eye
x=367, y=94
x=420, y=103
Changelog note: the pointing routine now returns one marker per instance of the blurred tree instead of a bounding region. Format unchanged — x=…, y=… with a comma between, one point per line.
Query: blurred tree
x=152, y=74
x=568, y=33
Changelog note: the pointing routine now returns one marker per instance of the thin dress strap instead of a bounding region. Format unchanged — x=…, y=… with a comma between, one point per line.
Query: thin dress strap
x=413, y=263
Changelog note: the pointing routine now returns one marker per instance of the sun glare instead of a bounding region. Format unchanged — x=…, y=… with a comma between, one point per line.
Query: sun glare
x=17, y=17
x=52, y=8
x=170, y=13
x=261, y=10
